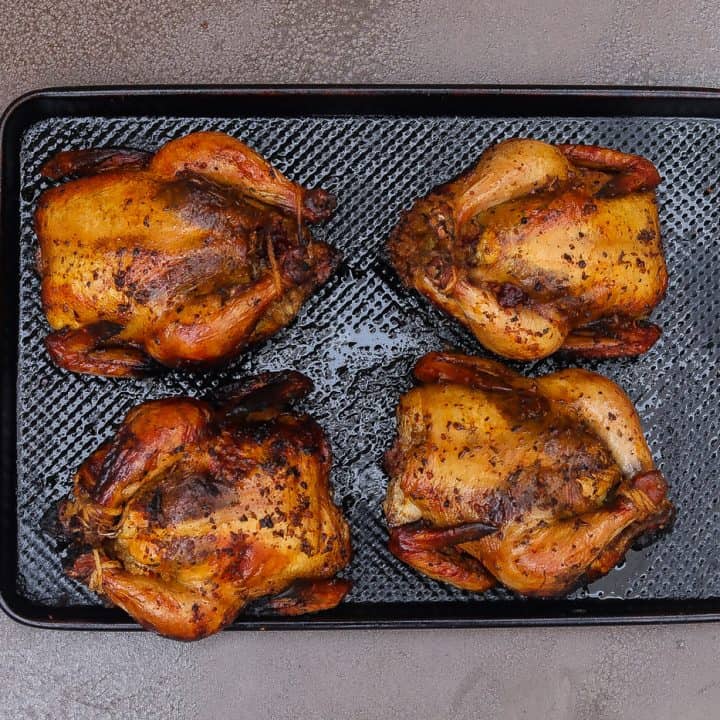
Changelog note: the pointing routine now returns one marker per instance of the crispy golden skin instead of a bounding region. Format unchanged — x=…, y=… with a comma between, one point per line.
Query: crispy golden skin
x=194, y=510
x=183, y=257
x=540, y=484
x=540, y=248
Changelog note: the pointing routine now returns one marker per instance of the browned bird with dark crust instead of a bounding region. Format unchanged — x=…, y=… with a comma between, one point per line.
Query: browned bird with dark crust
x=539, y=484
x=540, y=248
x=179, y=258
x=192, y=510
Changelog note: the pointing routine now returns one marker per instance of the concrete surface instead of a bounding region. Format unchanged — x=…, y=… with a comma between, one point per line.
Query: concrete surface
x=596, y=673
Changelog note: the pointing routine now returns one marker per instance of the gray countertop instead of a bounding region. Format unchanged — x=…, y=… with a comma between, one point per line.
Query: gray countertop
x=602, y=672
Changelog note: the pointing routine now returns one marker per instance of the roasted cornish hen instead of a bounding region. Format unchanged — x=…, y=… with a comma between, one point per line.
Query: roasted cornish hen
x=179, y=258
x=540, y=248
x=192, y=510
x=540, y=484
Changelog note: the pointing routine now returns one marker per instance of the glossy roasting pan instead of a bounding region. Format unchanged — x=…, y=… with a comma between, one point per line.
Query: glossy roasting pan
x=376, y=149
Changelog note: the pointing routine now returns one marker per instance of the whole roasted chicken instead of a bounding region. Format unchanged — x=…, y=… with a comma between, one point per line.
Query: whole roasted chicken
x=179, y=258
x=193, y=510
x=539, y=484
x=540, y=248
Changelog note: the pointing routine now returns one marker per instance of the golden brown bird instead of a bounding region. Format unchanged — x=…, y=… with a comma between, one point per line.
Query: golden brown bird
x=193, y=510
x=540, y=484
x=540, y=248
x=179, y=258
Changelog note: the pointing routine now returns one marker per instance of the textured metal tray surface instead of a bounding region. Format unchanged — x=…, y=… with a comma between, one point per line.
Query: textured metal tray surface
x=358, y=337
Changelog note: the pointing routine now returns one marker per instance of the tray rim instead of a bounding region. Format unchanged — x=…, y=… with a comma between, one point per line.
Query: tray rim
x=630, y=100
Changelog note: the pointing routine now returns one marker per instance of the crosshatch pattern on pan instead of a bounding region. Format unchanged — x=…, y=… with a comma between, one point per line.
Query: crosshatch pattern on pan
x=359, y=336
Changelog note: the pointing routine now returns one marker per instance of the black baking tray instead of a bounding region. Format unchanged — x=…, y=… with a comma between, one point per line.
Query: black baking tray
x=377, y=148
